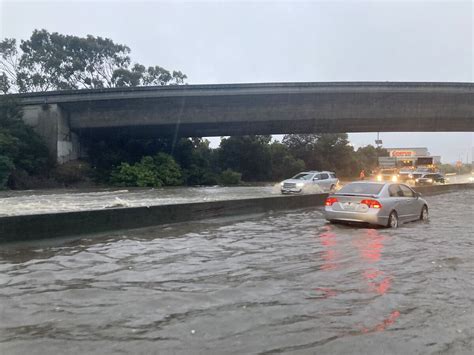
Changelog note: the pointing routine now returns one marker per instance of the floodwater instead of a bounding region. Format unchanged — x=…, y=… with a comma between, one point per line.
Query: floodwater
x=37, y=202
x=13, y=203
x=282, y=282
x=49, y=201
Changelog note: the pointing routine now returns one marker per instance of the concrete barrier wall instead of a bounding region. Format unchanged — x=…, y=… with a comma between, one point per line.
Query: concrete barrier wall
x=29, y=227
x=441, y=189
x=32, y=227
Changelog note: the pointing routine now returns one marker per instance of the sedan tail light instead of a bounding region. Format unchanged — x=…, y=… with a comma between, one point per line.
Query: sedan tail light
x=330, y=201
x=372, y=203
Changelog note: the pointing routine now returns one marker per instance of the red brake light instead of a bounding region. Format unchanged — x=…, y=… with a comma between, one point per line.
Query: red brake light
x=371, y=203
x=330, y=201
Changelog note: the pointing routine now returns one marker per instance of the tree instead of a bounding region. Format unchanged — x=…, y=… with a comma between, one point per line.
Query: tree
x=6, y=168
x=138, y=75
x=230, y=177
x=302, y=146
x=249, y=155
x=53, y=61
x=368, y=156
x=9, y=64
x=4, y=83
x=329, y=151
x=20, y=147
x=284, y=164
x=336, y=154
x=157, y=171
x=197, y=160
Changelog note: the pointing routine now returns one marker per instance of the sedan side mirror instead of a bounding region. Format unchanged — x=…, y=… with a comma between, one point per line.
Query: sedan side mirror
x=417, y=195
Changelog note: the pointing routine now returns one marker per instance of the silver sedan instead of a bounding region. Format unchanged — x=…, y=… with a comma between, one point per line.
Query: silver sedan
x=384, y=204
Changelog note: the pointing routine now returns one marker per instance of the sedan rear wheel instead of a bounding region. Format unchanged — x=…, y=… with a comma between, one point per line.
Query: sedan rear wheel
x=424, y=216
x=393, y=220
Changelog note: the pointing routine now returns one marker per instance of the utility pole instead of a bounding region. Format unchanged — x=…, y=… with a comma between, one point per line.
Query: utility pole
x=378, y=141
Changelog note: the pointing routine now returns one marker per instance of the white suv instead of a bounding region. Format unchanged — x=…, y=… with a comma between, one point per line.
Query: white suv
x=310, y=181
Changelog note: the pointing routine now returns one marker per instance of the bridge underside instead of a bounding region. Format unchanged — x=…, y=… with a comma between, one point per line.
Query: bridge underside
x=268, y=127
x=240, y=109
x=275, y=114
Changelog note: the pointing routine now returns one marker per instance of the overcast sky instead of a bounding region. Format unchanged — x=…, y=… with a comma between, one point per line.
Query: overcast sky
x=281, y=41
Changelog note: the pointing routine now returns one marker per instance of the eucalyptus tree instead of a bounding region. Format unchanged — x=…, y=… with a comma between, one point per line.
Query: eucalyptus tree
x=54, y=61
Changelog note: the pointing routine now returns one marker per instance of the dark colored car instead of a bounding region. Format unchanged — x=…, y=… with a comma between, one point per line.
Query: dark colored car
x=431, y=179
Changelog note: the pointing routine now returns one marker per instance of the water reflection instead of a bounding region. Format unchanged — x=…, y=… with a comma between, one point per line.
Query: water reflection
x=383, y=324
x=329, y=254
x=369, y=246
x=284, y=282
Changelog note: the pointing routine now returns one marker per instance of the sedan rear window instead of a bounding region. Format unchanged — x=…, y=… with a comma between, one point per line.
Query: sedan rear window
x=361, y=188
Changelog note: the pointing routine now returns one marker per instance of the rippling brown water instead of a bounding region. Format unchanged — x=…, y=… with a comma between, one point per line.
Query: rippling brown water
x=285, y=282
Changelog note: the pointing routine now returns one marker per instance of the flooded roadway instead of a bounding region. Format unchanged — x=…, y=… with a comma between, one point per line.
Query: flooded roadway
x=49, y=201
x=273, y=283
x=14, y=203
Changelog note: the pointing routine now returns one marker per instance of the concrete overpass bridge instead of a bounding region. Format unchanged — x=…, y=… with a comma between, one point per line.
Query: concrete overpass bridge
x=63, y=117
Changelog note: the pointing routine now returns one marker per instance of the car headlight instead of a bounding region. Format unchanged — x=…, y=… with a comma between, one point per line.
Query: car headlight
x=417, y=180
x=282, y=183
x=429, y=180
x=300, y=184
x=379, y=177
x=394, y=178
x=410, y=176
x=471, y=178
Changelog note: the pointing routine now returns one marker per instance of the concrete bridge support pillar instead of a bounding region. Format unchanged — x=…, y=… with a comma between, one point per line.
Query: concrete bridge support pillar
x=51, y=122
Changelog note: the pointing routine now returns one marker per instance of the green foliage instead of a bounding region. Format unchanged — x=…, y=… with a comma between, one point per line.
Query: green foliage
x=72, y=172
x=157, y=171
x=25, y=148
x=199, y=175
x=332, y=152
x=140, y=174
x=196, y=159
x=19, y=144
x=254, y=157
x=6, y=168
x=4, y=83
x=284, y=164
x=230, y=177
x=9, y=64
x=249, y=155
x=167, y=169
x=105, y=155
x=303, y=146
x=139, y=75
x=368, y=156
x=53, y=61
